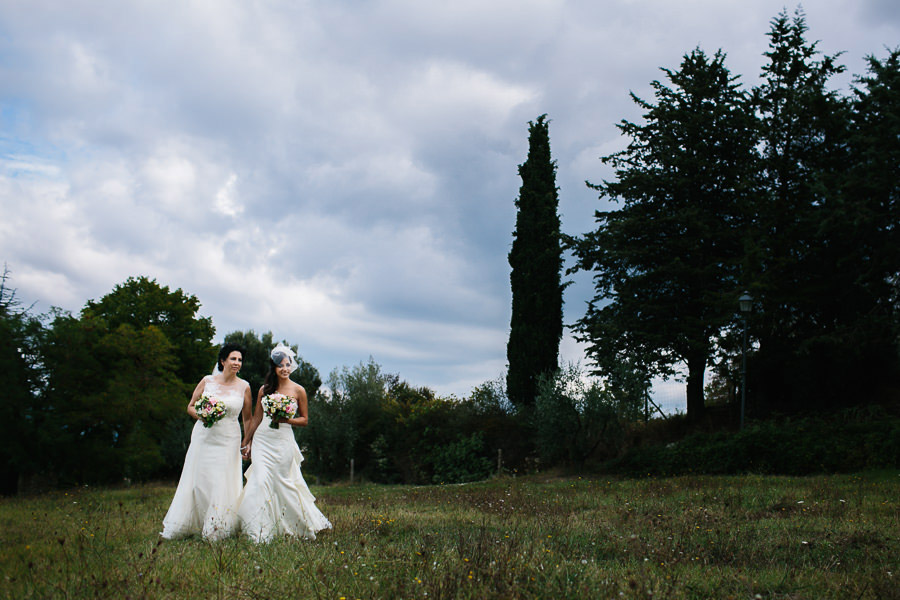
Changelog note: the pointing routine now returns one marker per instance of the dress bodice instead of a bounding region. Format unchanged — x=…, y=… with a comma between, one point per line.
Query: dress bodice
x=232, y=396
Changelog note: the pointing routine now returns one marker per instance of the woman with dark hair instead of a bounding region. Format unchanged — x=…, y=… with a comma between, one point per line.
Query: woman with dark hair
x=209, y=490
x=276, y=500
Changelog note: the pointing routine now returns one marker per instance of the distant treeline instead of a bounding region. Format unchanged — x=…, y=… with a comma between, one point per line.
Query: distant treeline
x=100, y=397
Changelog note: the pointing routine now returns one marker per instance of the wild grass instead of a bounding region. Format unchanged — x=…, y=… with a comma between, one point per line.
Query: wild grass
x=535, y=537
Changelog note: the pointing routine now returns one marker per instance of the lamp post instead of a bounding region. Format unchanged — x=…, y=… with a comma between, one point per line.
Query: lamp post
x=745, y=302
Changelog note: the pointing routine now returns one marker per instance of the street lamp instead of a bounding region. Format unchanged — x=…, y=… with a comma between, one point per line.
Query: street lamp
x=745, y=302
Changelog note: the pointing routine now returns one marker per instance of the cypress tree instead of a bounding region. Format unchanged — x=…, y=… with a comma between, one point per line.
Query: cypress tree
x=535, y=279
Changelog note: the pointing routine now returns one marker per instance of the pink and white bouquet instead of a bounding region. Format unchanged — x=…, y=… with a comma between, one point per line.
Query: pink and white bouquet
x=279, y=406
x=210, y=409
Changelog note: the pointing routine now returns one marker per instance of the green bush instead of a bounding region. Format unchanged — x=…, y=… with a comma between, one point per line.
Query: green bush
x=460, y=461
x=327, y=442
x=345, y=419
x=574, y=419
x=843, y=442
x=397, y=433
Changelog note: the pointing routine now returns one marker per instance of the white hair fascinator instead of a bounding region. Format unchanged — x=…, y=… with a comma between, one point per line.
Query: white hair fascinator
x=281, y=352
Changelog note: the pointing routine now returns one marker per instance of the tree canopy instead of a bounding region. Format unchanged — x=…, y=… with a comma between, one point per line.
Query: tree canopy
x=141, y=302
x=119, y=377
x=667, y=263
x=789, y=192
x=21, y=334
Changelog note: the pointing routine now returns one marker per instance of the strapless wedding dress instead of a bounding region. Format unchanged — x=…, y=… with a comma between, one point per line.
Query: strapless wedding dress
x=276, y=500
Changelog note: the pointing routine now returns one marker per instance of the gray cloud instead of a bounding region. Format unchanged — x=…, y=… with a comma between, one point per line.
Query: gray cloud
x=341, y=173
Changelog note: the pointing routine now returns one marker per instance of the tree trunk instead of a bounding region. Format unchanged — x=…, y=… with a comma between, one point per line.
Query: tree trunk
x=696, y=368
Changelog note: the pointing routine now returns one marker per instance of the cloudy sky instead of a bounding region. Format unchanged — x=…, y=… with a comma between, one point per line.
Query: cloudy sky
x=340, y=172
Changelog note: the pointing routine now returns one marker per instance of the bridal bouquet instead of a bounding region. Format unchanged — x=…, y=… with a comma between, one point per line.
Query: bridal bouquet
x=278, y=406
x=210, y=409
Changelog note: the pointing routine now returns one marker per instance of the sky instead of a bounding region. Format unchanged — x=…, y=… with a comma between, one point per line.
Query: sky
x=340, y=172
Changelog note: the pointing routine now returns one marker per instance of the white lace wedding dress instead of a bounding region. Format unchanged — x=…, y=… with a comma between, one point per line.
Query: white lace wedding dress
x=276, y=500
x=209, y=490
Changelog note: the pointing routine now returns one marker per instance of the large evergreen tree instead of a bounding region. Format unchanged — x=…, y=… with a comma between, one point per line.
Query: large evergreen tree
x=20, y=338
x=535, y=279
x=667, y=263
x=796, y=248
x=873, y=187
x=864, y=232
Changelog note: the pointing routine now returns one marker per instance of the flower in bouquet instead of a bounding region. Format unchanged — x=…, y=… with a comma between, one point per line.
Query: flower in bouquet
x=279, y=406
x=210, y=409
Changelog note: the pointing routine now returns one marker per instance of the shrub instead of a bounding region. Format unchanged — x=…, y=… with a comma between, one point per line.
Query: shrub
x=846, y=441
x=460, y=461
x=575, y=419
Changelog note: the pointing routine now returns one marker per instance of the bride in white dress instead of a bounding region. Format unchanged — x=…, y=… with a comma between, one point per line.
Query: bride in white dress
x=276, y=500
x=209, y=490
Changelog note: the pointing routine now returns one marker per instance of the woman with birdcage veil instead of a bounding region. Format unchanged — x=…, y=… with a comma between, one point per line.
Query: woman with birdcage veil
x=276, y=500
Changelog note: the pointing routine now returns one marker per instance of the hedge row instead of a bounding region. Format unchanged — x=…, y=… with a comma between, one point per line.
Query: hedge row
x=841, y=443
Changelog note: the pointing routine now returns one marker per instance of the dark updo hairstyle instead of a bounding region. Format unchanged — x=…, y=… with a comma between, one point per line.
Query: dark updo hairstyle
x=225, y=351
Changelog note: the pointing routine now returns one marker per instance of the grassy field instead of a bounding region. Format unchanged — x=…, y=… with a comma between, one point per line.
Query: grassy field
x=534, y=537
